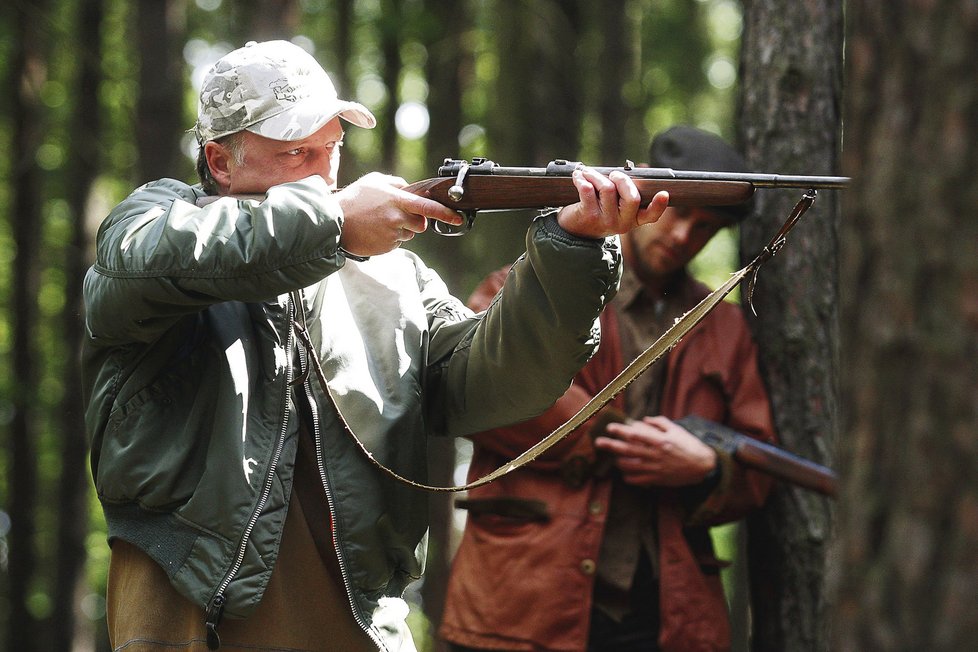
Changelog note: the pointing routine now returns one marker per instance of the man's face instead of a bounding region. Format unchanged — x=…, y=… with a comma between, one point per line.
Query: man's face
x=657, y=250
x=266, y=162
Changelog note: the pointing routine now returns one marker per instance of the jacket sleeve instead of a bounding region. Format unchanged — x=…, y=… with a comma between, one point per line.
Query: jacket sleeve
x=534, y=336
x=508, y=442
x=159, y=256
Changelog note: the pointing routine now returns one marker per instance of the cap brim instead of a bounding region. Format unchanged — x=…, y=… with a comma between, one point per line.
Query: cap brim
x=306, y=118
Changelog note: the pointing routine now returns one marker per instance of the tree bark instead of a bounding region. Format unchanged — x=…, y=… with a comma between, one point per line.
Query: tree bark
x=272, y=19
x=534, y=116
x=908, y=526
x=789, y=121
x=262, y=20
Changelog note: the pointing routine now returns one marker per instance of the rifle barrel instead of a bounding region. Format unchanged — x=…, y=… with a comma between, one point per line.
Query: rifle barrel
x=757, y=179
x=561, y=167
x=785, y=466
x=763, y=457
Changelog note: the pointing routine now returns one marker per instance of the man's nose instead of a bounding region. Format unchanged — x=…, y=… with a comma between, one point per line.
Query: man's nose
x=325, y=165
x=681, y=232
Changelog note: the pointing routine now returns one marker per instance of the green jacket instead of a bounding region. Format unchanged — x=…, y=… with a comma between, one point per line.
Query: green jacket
x=191, y=351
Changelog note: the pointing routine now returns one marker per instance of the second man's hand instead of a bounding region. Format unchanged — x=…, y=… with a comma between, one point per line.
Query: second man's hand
x=657, y=452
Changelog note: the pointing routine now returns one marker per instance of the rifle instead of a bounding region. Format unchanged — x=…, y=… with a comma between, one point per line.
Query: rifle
x=763, y=457
x=484, y=185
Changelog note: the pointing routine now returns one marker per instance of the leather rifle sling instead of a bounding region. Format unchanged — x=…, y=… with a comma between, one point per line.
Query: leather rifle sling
x=637, y=367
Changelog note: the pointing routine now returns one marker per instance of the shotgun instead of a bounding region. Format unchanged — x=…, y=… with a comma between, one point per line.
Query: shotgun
x=763, y=457
x=483, y=185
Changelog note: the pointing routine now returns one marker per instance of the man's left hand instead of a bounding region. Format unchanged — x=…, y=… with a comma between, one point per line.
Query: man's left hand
x=608, y=205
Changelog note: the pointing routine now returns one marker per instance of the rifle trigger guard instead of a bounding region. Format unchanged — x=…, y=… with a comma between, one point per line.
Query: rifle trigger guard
x=454, y=231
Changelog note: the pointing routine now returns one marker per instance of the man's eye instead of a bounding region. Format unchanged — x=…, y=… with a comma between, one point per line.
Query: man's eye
x=295, y=152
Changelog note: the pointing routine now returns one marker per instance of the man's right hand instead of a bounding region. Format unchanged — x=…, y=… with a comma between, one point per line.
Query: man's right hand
x=657, y=452
x=379, y=215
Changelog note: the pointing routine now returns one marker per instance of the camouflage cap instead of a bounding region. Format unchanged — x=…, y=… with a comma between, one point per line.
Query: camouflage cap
x=274, y=89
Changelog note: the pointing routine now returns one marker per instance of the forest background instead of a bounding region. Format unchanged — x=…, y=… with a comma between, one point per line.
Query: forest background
x=877, y=378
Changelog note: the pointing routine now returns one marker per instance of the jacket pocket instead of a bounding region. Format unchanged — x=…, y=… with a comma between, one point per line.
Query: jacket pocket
x=154, y=447
x=504, y=516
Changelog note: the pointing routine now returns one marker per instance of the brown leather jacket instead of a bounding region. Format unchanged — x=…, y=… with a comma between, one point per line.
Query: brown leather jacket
x=523, y=580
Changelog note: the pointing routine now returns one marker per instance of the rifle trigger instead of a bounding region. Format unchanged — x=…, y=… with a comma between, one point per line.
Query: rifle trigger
x=449, y=231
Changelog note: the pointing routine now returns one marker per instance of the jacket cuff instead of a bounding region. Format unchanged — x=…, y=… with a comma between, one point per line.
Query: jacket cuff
x=548, y=219
x=704, y=500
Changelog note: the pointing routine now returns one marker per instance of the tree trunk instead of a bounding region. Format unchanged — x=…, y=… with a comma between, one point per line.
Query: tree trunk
x=160, y=88
x=536, y=112
x=271, y=19
x=615, y=66
x=262, y=20
x=908, y=526
x=27, y=73
x=342, y=47
x=448, y=60
x=83, y=166
x=791, y=62
x=449, y=69
x=390, y=46
x=534, y=116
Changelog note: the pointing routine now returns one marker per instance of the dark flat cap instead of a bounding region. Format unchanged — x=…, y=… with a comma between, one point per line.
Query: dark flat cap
x=688, y=148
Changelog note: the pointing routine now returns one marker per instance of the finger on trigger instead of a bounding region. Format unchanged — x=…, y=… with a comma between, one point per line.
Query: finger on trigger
x=432, y=210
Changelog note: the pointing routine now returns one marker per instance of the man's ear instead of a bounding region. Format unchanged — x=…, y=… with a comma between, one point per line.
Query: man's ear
x=220, y=161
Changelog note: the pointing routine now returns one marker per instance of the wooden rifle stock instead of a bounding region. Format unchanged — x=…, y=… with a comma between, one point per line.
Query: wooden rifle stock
x=514, y=192
x=764, y=457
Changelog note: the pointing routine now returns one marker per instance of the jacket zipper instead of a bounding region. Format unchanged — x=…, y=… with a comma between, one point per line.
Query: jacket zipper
x=215, y=609
x=321, y=466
